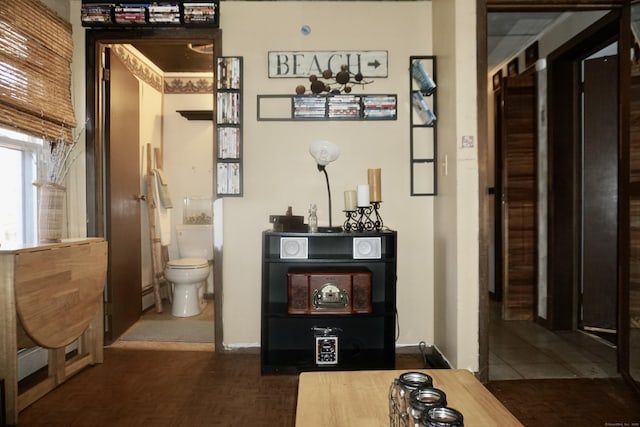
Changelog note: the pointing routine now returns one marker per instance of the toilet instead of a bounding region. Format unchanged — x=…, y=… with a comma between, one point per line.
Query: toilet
x=189, y=273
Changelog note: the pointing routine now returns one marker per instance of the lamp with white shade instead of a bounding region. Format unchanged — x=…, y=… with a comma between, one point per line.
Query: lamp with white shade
x=325, y=152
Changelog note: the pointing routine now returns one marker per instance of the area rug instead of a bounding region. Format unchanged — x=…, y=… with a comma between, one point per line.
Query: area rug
x=178, y=330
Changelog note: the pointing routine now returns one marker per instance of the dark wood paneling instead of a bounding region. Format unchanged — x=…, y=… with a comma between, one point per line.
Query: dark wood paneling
x=563, y=233
x=519, y=188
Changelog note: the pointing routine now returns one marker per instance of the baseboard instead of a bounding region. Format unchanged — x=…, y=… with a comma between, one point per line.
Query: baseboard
x=432, y=357
x=32, y=359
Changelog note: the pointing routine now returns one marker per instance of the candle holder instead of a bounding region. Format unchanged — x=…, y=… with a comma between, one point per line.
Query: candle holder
x=377, y=222
x=351, y=223
x=368, y=218
x=365, y=218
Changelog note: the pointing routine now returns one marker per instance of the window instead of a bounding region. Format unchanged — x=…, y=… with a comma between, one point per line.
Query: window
x=19, y=158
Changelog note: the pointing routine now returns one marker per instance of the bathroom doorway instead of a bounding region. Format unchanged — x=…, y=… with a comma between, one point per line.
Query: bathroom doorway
x=147, y=55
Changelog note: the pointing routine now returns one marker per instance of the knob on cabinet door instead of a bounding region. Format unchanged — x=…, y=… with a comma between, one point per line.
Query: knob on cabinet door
x=140, y=197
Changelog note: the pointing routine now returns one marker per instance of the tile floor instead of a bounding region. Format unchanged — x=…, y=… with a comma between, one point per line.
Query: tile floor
x=525, y=350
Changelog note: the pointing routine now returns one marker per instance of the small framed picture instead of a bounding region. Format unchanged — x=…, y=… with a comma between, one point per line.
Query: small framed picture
x=497, y=80
x=531, y=54
x=512, y=67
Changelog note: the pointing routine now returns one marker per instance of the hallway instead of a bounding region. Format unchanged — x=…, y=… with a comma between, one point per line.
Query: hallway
x=520, y=349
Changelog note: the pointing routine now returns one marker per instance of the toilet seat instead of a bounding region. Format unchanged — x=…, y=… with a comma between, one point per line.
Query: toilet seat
x=187, y=263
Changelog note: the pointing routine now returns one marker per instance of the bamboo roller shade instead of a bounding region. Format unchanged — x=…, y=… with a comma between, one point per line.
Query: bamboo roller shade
x=36, y=48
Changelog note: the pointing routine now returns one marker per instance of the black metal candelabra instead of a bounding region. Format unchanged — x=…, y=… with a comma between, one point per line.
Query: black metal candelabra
x=364, y=218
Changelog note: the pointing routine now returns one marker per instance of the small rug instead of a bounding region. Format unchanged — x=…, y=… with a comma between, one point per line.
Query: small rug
x=178, y=330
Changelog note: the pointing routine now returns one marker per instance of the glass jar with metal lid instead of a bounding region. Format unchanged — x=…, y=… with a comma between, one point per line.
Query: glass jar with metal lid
x=399, y=396
x=422, y=399
x=442, y=417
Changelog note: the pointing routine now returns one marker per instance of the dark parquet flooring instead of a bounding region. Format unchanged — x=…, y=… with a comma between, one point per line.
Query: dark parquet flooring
x=199, y=388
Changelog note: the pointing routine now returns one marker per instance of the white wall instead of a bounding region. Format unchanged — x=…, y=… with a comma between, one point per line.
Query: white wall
x=188, y=155
x=150, y=133
x=76, y=179
x=279, y=172
x=456, y=214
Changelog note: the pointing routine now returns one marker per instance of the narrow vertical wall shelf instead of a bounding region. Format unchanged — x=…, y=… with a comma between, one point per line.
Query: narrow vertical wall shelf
x=228, y=120
x=423, y=125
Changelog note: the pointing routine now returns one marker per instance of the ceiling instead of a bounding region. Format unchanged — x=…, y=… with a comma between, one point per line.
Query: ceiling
x=511, y=32
x=172, y=57
x=508, y=34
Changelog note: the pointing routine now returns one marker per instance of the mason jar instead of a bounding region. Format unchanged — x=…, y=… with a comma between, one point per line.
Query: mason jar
x=399, y=396
x=442, y=417
x=422, y=399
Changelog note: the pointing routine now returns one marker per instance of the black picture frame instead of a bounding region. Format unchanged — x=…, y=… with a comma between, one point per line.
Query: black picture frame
x=497, y=80
x=531, y=54
x=512, y=67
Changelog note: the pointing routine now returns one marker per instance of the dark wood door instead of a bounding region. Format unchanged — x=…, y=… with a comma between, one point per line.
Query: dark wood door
x=496, y=292
x=519, y=197
x=629, y=336
x=600, y=195
x=124, y=291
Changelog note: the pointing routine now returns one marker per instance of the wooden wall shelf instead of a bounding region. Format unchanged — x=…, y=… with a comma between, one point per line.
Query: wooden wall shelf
x=365, y=107
x=197, y=114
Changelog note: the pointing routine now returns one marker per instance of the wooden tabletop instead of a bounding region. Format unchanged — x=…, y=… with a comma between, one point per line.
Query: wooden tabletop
x=361, y=398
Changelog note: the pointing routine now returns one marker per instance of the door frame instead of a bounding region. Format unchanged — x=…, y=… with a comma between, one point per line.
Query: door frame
x=565, y=201
x=483, y=7
x=96, y=141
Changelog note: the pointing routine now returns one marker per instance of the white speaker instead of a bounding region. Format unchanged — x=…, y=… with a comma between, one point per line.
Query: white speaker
x=367, y=248
x=294, y=248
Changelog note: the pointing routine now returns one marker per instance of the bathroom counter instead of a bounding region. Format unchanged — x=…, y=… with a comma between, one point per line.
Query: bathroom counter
x=50, y=296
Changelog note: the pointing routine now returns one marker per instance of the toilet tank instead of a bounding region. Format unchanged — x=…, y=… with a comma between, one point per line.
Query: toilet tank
x=195, y=241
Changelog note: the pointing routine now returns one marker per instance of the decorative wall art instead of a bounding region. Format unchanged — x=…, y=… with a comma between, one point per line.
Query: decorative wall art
x=512, y=67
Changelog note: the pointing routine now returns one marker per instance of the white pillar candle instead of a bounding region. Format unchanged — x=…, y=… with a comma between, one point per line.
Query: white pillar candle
x=350, y=200
x=363, y=195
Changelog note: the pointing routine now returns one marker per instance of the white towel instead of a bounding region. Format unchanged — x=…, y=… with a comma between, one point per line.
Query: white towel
x=163, y=215
x=163, y=189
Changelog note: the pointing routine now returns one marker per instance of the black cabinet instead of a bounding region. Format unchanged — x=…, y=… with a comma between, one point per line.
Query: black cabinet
x=361, y=339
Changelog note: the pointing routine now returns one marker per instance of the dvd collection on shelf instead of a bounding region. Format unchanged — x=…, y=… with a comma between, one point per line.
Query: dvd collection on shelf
x=229, y=73
x=228, y=178
x=229, y=126
x=149, y=13
x=309, y=106
x=228, y=108
x=228, y=143
x=381, y=107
